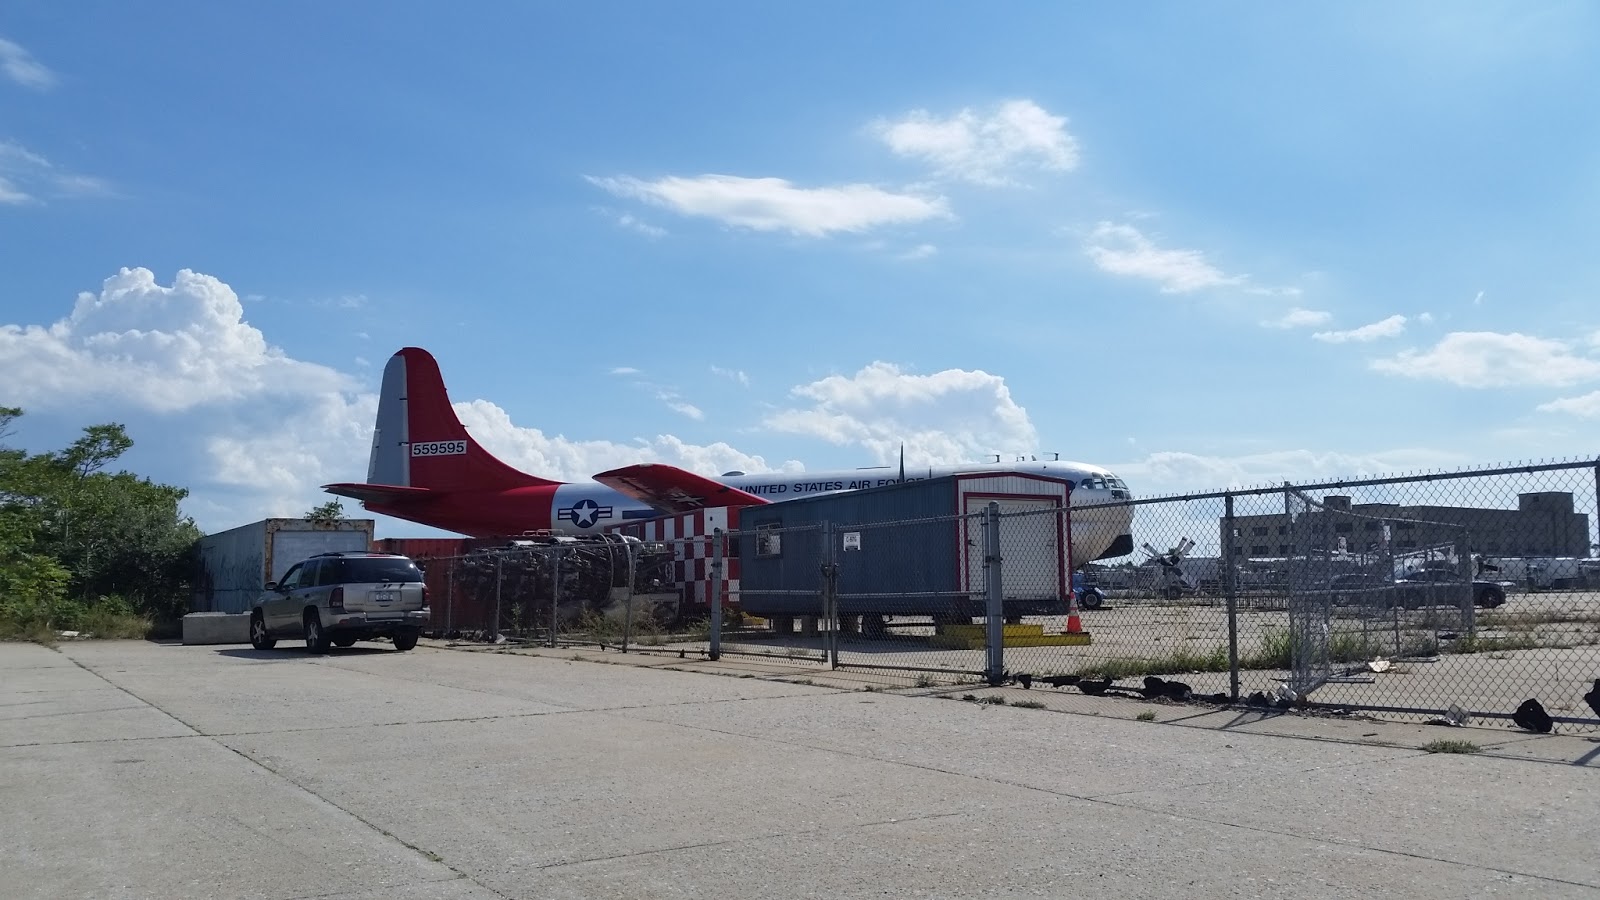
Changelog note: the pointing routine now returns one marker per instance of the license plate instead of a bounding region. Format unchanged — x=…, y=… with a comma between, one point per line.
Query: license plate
x=383, y=596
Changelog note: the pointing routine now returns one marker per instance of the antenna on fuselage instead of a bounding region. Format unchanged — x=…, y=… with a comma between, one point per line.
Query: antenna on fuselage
x=902, y=462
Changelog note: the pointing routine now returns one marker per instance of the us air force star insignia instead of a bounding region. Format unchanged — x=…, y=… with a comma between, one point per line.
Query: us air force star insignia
x=584, y=513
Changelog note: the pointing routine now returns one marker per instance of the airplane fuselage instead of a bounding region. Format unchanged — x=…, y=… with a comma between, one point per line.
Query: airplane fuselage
x=589, y=507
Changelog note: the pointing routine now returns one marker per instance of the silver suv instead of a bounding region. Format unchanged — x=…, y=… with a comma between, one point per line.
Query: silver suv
x=341, y=598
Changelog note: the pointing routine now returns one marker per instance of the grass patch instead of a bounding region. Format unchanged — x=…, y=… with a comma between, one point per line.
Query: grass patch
x=1028, y=704
x=993, y=700
x=1148, y=715
x=924, y=681
x=1214, y=660
x=1451, y=746
x=1482, y=643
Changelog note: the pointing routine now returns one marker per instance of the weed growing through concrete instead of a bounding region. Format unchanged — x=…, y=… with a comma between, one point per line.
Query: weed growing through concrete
x=1449, y=746
x=1148, y=715
x=1028, y=704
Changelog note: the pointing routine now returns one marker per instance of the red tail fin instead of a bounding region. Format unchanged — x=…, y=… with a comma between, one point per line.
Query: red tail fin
x=419, y=441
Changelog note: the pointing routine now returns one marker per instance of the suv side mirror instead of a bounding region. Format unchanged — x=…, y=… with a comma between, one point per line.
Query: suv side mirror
x=271, y=586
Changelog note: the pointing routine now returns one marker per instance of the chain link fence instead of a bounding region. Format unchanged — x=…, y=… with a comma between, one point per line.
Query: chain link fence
x=1408, y=596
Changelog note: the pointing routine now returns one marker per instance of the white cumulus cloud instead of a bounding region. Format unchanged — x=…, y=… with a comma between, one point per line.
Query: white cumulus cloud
x=565, y=459
x=1124, y=250
x=947, y=417
x=20, y=66
x=1300, y=318
x=773, y=204
x=157, y=347
x=984, y=147
x=1487, y=359
x=1385, y=328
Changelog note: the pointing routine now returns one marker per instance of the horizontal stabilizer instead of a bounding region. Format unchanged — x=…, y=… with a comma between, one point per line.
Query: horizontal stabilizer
x=674, y=490
x=377, y=493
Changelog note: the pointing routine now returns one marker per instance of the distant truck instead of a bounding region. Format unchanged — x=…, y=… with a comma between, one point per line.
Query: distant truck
x=235, y=565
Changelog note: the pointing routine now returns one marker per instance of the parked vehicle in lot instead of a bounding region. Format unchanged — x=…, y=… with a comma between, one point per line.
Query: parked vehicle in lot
x=340, y=598
x=1435, y=587
x=1089, y=596
x=1360, y=589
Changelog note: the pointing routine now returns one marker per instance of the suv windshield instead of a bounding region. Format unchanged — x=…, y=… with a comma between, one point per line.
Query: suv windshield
x=371, y=570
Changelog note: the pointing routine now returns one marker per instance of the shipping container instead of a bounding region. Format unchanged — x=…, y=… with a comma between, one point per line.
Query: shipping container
x=235, y=565
x=910, y=549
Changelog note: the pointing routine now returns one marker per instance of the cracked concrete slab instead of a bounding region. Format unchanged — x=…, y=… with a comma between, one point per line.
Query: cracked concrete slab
x=440, y=774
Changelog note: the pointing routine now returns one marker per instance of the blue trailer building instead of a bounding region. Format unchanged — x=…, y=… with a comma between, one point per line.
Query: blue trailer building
x=910, y=549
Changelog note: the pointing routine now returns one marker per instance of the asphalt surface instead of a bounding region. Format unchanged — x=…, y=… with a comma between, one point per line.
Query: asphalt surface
x=131, y=769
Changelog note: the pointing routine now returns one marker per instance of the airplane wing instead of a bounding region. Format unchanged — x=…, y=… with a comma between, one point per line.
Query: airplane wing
x=377, y=493
x=674, y=490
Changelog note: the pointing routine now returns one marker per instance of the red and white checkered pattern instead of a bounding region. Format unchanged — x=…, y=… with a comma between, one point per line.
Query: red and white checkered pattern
x=689, y=535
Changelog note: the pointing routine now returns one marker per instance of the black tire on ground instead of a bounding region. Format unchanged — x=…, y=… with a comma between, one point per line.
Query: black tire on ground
x=1090, y=600
x=259, y=638
x=1491, y=597
x=1173, y=594
x=316, y=637
x=344, y=641
x=405, y=641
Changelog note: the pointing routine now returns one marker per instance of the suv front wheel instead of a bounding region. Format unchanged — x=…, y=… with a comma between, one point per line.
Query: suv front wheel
x=316, y=637
x=259, y=637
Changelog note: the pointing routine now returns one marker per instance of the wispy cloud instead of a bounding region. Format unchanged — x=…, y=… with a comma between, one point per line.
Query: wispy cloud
x=1478, y=300
x=624, y=370
x=1300, y=318
x=1586, y=406
x=632, y=223
x=26, y=177
x=1486, y=359
x=921, y=251
x=733, y=374
x=773, y=204
x=1124, y=250
x=986, y=148
x=688, y=409
x=20, y=66
x=1386, y=328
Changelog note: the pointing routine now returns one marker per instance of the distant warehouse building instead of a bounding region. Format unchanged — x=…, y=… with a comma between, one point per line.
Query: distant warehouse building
x=1543, y=525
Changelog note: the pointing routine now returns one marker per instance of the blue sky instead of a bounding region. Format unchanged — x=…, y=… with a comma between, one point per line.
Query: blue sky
x=1204, y=245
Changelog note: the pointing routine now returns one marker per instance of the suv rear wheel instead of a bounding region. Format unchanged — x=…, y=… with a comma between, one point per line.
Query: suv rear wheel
x=316, y=638
x=405, y=641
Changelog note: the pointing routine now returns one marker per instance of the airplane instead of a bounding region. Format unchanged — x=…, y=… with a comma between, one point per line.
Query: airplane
x=426, y=468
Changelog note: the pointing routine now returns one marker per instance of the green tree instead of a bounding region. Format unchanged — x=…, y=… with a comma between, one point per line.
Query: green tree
x=326, y=515
x=115, y=534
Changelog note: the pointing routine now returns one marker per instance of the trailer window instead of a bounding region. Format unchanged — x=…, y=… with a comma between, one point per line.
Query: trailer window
x=769, y=542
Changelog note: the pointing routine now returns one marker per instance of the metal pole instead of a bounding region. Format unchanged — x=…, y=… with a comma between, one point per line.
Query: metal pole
x=830, y=595
x=1230, y=590
x=494, y=625
x=555, y=597
x=450, y=596
x=627, y=612
x=715, y=650
x=994, y=591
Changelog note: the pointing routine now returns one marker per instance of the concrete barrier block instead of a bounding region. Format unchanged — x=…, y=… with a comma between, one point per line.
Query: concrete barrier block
x=216, y=628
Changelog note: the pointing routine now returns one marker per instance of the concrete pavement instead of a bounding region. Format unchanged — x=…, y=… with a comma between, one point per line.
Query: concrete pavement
x=130, y=769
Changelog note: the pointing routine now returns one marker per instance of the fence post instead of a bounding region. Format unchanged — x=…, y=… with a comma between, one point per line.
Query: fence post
x=450, y=597
x=994, y=592
x=714, y=652
x=627, y=610
x=555, y=596
x=1230, y=592
x=830, y=595
x=494, y=623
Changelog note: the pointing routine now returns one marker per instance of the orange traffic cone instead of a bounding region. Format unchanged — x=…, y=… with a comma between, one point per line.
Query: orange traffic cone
x=1074, y=624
